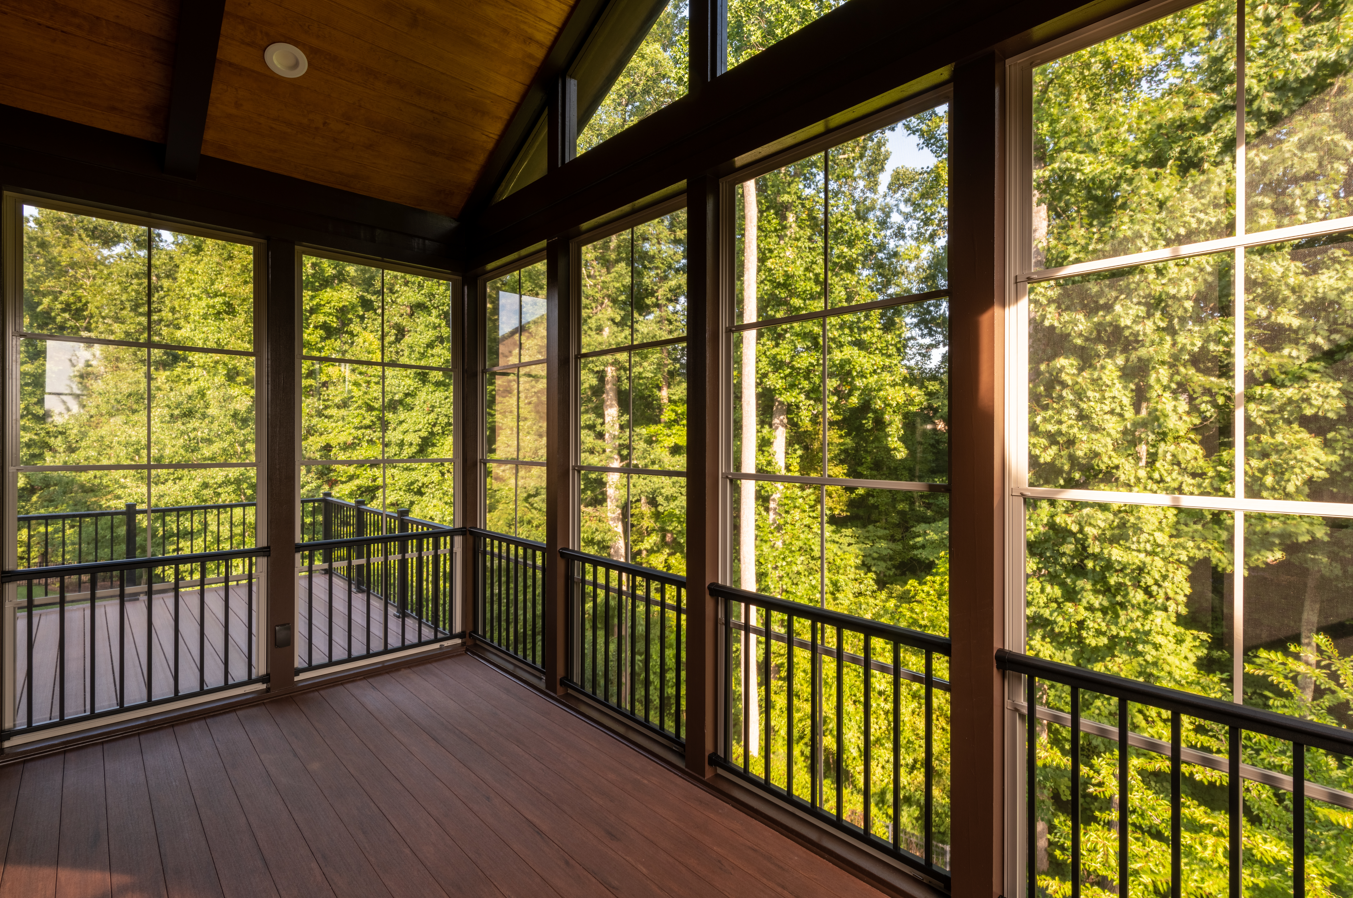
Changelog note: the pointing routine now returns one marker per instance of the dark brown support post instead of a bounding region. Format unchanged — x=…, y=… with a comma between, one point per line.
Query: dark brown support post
x=468, y=351
x=704, y=460
x=708, y=42
x=563, y=122
x=978, y=500
x=281, y=489
x=559, y=521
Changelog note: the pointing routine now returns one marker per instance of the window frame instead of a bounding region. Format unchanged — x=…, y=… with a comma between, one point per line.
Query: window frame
x=455, y=369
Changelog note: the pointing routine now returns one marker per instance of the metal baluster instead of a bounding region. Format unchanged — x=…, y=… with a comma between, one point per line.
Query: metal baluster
x=897, y=747
x=1234, y=809
x=1176, y=829
x=1075, y=792
x=840, y=714
x=61, y=639
x=1124, y=809
x=1031, y=775
x=929, y=758
x=1298, y=820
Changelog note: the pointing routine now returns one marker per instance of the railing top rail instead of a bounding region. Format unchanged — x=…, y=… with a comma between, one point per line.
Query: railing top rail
x=348, y=542
x=121, y=512
x=637, y=569
x=130, y=564
x=376, y=511
x=1255, y=720
x=912, y=638
x=517, y=540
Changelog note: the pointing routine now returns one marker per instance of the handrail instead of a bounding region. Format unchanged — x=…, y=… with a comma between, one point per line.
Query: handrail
x=912, y=638
x=346, y=542
x=1255, y=720
x=636, y=569
x=129, y=564
x=494, y=534
x=367, y=508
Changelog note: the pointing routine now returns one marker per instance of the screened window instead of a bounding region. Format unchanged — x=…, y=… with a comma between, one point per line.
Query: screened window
x=1181, y=309
x=754, y=25
x=514, y=403
x=840, y=377
x=377, y=406
x=136, y=364
x=632, y=395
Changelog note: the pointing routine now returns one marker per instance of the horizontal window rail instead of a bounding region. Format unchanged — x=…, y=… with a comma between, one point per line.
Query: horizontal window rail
x=840, y=717
x=1072, y=746
x=509, y=577
x=626, y=638
x=82, y=537
x=366, y=596
x=89, y=642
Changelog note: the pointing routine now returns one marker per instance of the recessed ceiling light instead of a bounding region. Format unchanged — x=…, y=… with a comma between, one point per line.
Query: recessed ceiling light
x=285, y=60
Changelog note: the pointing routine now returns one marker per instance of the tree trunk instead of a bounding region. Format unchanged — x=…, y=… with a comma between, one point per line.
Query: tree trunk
x=611, y=429
x=747, y=488
x=1310, y=623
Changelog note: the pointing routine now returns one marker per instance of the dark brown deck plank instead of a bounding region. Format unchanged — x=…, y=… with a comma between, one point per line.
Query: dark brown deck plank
x=431, y=763
x=189, y=869
x=384, y=843
x=756, y=846
x=598, y=846
x=133, y=847
x=240, y=865
x=82, y=857
x=393, y=778
x=345, y=866
x=30, y=864
x=295, y=872
x=11, y=776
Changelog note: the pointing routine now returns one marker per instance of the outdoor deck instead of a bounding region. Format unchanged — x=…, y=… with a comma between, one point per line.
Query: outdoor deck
x=350, y=625
x=443, y=779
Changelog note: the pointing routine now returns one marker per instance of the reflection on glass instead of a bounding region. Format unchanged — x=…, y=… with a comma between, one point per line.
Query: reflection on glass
x=654, y=77
x=533, y=317
x=500, y=415
x=783, y=396
x=775, y=540
x=203, y=292
x=502, y=320
x=201, y=407
x=1130, y=380
x=657, y=522
x=659, y=420
x=1142, y=592
x=1134, y=140
x=43, y=541
x=83, y=276
x=660, y=278
x=417, y=320
x=419, y=414
x=607, y=291
x=604, y=410
x=780, y=215
x=81, y=404
x=1299, y=377
x=1298, y=114
x=531, y=421
x=340, y=411
x=426, y=490
x=887, y=422
x=341, y=309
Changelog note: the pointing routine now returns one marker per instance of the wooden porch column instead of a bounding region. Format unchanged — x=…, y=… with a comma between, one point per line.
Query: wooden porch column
x=559, y=517
x=978, y=500
x=469, y=365
x=280, y=493
x=704, y=466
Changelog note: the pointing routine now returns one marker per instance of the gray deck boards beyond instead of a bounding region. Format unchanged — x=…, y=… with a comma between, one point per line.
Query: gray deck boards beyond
x=123, y=644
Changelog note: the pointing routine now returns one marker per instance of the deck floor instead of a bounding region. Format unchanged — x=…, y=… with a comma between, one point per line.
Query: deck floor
x=444, y=779
x=358, y=624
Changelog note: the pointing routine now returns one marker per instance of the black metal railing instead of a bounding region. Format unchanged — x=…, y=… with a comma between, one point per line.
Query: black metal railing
x=840, y=717
x=327, y=518
x=626, y=640
x=83, y=537
x=365, y=596
x=509, y=595
x=1163, y=740
x=90, y=641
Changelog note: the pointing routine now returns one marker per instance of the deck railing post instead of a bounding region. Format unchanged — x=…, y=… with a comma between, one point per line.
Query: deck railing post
x=131, y=539
x=402, y=526
x=280, y=505
x=363, y=551
x=326, y=522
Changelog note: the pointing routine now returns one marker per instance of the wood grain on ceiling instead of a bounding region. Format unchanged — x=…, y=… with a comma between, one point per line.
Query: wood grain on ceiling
x=403, y=100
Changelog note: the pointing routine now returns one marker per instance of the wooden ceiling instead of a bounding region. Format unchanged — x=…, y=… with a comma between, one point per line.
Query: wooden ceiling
x=403, y=100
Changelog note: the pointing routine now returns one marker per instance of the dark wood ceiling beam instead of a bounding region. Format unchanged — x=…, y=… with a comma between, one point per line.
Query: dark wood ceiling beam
x=199, y=37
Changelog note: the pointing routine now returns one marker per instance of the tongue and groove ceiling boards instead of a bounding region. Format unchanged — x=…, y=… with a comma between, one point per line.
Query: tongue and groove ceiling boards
x=403, y=101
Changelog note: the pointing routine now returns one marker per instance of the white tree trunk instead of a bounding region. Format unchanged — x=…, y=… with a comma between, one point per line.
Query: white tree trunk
x=611, y=430
x=747, y=488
